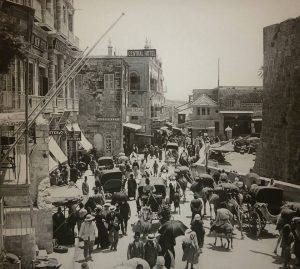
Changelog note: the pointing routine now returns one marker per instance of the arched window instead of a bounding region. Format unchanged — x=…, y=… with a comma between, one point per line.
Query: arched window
x=134, y=82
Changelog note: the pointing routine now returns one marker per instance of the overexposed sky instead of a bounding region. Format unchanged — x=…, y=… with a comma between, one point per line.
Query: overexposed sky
x=189, y=36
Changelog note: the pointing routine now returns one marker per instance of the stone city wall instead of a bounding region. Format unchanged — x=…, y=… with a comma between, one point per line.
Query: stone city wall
x=279, y=152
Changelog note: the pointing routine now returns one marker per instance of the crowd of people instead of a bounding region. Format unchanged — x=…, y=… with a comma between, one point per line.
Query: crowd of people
x=103, y=224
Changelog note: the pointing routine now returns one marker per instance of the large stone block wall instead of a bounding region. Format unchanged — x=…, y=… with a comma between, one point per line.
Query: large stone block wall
x=102, y=111
x=279, y=152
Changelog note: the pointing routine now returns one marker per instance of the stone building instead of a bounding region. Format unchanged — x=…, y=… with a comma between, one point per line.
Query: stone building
x=51, y=46
x=238, y=107
x=103, y=94
x=279, y=152
x=146, y=91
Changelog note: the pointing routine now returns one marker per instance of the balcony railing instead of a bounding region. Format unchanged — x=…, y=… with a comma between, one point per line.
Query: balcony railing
x=15, y=102
x=10, y=100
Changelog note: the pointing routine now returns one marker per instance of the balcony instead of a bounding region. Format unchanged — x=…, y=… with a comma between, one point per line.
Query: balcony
x=15, y=102
x=11, y=101
x=47, y=21
x=37, y=6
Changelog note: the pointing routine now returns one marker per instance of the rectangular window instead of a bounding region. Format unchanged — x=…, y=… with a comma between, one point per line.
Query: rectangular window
x=109, y=81
x=70, y=21
x=203, y=111
x=208, y=111
x=198, y=111
x=64, y=14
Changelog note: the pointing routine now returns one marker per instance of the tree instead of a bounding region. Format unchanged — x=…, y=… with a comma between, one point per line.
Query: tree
x=12, y=43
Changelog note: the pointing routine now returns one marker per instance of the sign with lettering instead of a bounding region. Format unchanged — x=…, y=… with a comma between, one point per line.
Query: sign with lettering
x=38, y=43
x=14, y=190
x=108, y=119
x=60, y=46
x=56, y=132
x=135, y=111
x=74, y=135
x=142, y=53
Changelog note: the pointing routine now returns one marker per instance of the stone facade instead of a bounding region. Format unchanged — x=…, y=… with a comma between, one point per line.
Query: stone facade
x=279, y=152
x=103, y=94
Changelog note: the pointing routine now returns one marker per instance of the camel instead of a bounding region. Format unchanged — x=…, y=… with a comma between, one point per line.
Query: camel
x=263, y=208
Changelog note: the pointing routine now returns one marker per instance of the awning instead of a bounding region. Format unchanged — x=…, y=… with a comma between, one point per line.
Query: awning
x=132, y=126
x=56, y=151
x=52, y=164
x=145, y=135
x=235, y=112
x=257, y=119
x=84, y=143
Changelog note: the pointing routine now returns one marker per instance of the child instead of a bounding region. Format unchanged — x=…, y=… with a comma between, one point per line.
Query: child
x=286, y=243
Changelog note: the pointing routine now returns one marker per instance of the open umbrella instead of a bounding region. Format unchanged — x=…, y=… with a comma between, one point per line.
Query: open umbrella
x=121, y=154
x=172, y=227
x=118, y=197
x=133, y=263
x=203, y=176
x=195, y=187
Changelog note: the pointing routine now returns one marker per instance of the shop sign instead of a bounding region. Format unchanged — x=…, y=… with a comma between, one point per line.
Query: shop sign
x=56, y=132
x=108, y=119
x=38, y=42
x=14, y=190
x=135, y=111
x=74, y=135
x=142, y=53
x=60, y=46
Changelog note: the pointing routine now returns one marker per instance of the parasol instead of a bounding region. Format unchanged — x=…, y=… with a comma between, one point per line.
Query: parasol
x=134, y=262
x=173, y=227
x=118, y=197
x=121, y=154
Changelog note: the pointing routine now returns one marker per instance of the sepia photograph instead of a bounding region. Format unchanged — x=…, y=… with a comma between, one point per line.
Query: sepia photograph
x=149, y=134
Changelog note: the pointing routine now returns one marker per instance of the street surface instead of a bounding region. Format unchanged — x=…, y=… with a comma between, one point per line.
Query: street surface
x=246, y=253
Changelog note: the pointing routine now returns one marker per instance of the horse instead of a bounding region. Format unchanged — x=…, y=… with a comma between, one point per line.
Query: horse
x=223, y=231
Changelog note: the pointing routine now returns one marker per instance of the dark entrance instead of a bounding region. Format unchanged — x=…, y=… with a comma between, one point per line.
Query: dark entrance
x=240, y=124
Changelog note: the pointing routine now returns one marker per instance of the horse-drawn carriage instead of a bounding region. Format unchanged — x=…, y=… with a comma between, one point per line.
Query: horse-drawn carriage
x=156, y=198
x=263, y=204
x=111, y=181
x=106, y=163
x=171, y=152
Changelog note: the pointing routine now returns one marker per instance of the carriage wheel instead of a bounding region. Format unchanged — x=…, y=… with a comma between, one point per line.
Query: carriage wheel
x=255, y=223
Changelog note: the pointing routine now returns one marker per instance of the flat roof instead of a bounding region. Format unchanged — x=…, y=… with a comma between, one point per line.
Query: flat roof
x=235, y=112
